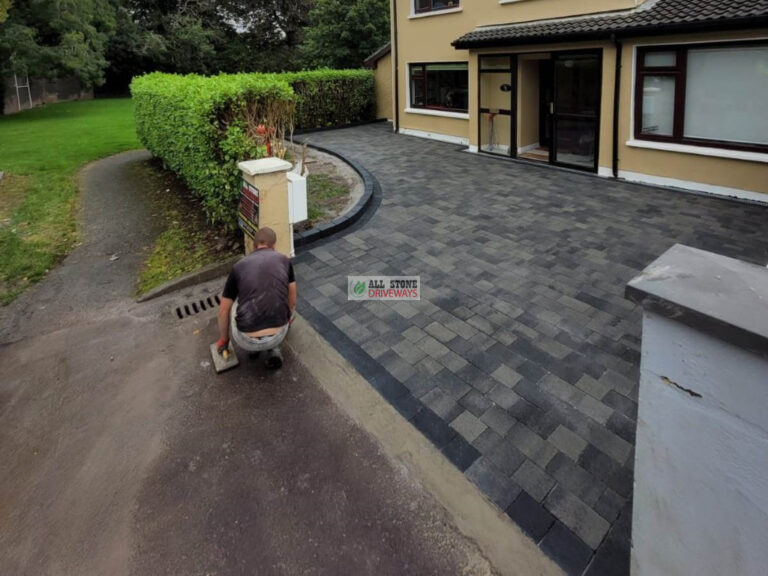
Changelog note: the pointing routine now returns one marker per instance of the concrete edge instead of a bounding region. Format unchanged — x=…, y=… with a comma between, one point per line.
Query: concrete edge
x=508, y=549
x=210, y=272
x=365, y=204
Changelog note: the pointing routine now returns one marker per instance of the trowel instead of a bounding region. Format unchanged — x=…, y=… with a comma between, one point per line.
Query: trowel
x=224, y=361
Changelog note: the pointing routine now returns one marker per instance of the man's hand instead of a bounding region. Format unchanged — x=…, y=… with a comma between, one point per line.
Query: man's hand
x=222, y=345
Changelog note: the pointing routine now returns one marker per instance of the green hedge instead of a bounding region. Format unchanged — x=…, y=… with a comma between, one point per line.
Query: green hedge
x=326, y=98
x=202, y=126
x=199, y=127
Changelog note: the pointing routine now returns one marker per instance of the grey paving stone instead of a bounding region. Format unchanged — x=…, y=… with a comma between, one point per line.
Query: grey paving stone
x=506, y=457
x=567, y=442
x=414, y=334
x=531, y=444
x=408, y=352
x=432, y=347
x=506, y=376
x=451, y=384
x=595, y=388
x=503, y=396
x=441, y=404
x=577, y=516
x=595, y=409
x=481, y=324
x=452, y=361
x=621, y=404
x=475, y=402
x=577, y=480
x=500, y=489
x=468, y=425
x=498, y=419
x=440, y=332
x=609, y=505
x=487, y=441
x=533, y=480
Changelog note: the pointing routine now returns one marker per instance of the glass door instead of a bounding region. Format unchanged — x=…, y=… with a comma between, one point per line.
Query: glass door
x=498, y=92
x=576, y=110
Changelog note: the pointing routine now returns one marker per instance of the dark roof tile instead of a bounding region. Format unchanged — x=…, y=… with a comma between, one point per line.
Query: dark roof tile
x=652, y=16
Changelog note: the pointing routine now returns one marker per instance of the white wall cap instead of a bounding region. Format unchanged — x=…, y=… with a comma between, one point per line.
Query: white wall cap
x=264, y=166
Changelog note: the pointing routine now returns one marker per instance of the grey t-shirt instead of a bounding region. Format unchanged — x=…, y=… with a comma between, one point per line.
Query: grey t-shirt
x=260, y=283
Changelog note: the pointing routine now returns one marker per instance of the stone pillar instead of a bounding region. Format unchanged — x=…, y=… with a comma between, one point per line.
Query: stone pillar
x=701, y=462
x=268, y=176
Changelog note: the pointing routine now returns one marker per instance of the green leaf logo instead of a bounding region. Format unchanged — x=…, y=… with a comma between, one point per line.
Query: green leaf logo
x=359, y=288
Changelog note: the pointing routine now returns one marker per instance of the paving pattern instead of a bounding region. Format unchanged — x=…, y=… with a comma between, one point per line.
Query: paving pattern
x=521, y=360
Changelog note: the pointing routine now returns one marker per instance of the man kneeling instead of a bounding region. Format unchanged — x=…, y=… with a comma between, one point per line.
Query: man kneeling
x=260, y=293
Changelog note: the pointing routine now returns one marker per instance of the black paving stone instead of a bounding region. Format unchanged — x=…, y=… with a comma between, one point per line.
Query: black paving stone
x=433, y=427
x=461, y=453
x=531, y=516
x=566, y=549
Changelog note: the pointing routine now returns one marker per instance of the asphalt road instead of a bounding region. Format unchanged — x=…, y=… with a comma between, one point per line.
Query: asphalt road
x=123, y=453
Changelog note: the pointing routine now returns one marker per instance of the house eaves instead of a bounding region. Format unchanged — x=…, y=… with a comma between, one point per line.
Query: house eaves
x=653, y=17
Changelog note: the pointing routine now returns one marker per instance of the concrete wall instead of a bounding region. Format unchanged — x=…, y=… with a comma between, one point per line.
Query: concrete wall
x=43, y=92
x=701, y=466
x=384, y=92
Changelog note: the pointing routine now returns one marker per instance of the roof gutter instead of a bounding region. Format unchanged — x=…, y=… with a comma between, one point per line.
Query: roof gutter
x=610, y=34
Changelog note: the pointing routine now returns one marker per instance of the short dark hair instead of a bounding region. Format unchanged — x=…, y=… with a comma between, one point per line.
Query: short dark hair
x=266, y=236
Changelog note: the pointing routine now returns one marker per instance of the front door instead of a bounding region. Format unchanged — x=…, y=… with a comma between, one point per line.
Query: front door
x=576, y=109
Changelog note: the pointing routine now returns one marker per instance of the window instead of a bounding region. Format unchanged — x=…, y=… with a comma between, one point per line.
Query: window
x=707, y=95
x=420, y=6
x=443, y=86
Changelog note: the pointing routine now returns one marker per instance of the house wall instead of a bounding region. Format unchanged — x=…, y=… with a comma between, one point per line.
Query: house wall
x=428, y=37
x=383, y=79
x=708, y=173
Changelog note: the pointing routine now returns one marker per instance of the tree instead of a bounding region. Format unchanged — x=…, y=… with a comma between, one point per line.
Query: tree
x=4, y=6
x=50, y=38
x=342, y=33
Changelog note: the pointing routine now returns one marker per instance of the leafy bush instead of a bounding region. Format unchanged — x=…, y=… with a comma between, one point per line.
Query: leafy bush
x=326, y=98
x=202, y=126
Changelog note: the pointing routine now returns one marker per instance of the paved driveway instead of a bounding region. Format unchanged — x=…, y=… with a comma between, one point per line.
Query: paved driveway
x=521, y=360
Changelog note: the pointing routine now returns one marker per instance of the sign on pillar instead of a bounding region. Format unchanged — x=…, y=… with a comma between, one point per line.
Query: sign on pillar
x=264, y=201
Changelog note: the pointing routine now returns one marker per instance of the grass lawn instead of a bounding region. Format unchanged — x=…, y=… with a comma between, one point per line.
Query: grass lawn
x=326, y=196
x=41, y=152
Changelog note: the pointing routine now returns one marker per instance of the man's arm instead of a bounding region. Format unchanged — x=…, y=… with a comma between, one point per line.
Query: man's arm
x=292, y=298
x=224, y=308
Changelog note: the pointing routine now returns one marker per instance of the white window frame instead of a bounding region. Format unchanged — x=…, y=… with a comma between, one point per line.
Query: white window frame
x=430, y=111
x=440, y=12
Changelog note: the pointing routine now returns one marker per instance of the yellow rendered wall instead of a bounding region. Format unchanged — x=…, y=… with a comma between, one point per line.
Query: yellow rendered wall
x=428, y=39
x=383, y=79
x=528, y=98
x=730, y=173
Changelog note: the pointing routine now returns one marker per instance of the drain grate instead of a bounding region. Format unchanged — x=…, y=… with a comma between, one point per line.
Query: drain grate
x=201, y=305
